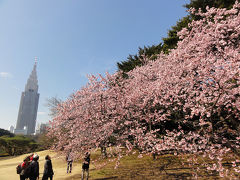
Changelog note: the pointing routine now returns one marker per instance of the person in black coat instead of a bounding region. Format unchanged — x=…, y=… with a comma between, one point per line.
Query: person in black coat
x=48, y=170
x=85, y=165
x=34, y=168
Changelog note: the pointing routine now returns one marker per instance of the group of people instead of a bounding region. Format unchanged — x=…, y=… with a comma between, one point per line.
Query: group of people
x=85, y=164
x=30, y=167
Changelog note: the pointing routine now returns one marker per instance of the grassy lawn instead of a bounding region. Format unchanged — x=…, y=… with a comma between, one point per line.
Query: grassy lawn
x=130, y=167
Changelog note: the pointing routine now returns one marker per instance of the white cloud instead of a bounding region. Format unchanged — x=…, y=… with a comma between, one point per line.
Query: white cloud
x=5, y=75
x=83, y=74
x=41, y=113
x=16, y=88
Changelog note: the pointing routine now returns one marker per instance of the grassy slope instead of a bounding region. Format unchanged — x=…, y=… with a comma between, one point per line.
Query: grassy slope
x=131, y=167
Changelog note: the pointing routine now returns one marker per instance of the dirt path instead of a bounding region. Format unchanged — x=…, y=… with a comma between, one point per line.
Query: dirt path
x=8, y=167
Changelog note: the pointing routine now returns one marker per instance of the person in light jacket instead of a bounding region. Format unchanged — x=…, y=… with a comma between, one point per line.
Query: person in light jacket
x=69, y=160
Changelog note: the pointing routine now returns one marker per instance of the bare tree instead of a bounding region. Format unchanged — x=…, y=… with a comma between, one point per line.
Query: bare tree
x=52, y=104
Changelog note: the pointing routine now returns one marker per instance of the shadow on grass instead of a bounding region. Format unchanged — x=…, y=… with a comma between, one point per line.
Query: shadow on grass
x=113, y=177
x=177, y=176
x=78, y=176
x=165, y=174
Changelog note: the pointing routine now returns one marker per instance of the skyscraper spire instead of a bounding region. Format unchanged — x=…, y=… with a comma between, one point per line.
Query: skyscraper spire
x=36, y=60
x=32, y=83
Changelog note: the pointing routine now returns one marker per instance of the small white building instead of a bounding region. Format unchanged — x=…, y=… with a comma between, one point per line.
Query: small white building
x=21, y=131
x=41, y=128
x=11, y=129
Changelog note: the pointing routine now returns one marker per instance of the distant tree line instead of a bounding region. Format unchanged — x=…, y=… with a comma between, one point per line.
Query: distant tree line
x=11, y=144
x=17, y=145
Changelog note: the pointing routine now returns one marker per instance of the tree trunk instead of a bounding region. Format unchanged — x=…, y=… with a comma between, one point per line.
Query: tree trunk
x=104, y=152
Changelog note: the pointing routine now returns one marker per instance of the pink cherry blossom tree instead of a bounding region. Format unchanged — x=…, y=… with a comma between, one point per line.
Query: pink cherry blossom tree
x=187, y=101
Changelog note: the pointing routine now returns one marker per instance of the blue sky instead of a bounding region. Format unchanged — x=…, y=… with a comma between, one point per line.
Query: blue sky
x=72, y=38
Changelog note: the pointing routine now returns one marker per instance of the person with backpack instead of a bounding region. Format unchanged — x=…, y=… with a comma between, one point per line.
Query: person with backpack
x=31, y=157
x=34, y=168
x=48, y=170
x=85, y=165
x=22, y=169
x=69, y=160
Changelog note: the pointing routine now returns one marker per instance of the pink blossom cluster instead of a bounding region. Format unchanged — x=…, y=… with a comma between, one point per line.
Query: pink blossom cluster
x=194, y=90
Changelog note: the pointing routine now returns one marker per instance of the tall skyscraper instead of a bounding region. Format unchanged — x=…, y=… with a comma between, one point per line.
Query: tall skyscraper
x=27, y=114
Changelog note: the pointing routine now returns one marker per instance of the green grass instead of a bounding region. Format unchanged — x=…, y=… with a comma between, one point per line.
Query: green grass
x=164, y=167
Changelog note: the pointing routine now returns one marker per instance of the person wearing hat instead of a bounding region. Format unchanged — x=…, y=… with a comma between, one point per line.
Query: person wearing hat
x=34, y=168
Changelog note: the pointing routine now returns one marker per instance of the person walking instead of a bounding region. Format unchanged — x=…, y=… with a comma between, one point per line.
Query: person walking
x=48, y=170
x=69, y=160
x=34, y=168
x=85, y=166
x=24, y=168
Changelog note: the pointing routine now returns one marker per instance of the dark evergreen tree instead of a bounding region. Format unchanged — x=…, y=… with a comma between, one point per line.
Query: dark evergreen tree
x=137, y=60
x=202, y=4
x=4, y=132
x=170, y=42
